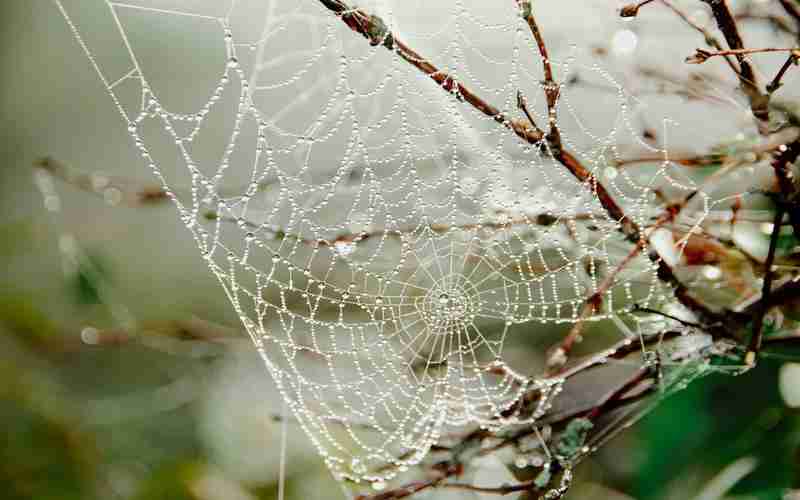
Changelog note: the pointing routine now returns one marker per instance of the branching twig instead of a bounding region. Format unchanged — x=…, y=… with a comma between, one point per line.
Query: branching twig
x=700, y=56
x=551, y=89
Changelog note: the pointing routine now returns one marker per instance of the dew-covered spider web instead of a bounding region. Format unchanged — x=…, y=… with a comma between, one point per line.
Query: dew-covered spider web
x=381, y=239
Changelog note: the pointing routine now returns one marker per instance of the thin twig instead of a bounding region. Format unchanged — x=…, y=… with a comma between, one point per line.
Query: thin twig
x=551, y=89
x=700, y=56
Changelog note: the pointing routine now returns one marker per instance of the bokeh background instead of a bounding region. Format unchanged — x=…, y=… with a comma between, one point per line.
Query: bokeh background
x=160, y=415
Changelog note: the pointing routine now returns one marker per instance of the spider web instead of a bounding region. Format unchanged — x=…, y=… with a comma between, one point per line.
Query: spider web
x=381, y=241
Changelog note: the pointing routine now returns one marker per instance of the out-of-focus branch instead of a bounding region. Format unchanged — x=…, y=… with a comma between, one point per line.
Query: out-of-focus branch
x=777, y=22
x=793, y=10
x=115, y=189
x=772, y=144
x=710, y=39
x=137, y=194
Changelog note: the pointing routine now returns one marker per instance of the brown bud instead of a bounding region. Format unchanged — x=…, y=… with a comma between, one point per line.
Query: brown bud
x=630, y=10
x=699, y=57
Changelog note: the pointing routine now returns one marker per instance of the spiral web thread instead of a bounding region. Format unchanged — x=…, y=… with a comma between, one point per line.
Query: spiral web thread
x=388, y=240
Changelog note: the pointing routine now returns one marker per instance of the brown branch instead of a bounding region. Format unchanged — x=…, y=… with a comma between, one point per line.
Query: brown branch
x=759, y=102
x=700, y=56
x=758, y=318
x=551, y=89
x=522, y=104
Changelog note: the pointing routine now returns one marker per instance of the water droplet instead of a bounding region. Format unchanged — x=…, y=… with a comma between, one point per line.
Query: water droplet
x=712, y=272
x=112, y=196
x=90, y=335
x=344, y=248
x=624, y=42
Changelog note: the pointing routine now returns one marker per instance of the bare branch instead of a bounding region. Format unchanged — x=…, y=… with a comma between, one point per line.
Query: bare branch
x=700, y=56
x=551, y=89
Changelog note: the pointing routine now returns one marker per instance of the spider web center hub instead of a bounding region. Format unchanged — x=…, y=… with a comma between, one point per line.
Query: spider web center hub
x=450, y=304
